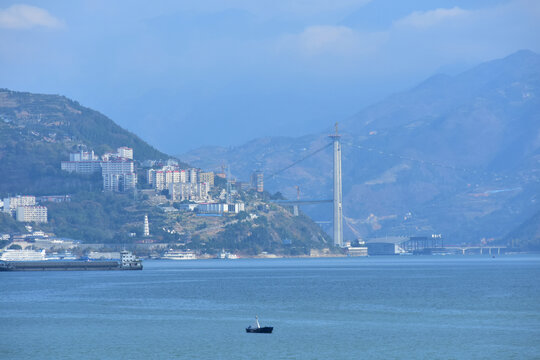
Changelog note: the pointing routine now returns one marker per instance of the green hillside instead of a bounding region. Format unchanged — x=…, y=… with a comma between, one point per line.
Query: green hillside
x=38, y=131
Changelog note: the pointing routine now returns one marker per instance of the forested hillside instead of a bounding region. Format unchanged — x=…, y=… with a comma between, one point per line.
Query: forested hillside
x=38, y=131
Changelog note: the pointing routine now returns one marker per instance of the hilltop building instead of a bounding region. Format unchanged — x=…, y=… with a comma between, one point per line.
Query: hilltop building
x=36, y=214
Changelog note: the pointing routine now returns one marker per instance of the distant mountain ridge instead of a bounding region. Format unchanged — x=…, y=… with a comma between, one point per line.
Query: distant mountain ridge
x=37, y=131
x=458, y=155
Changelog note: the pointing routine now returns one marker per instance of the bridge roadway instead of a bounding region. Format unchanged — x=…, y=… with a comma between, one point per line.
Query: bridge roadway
x=464, y=249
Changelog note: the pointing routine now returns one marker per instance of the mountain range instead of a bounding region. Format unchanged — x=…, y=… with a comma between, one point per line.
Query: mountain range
x=455, y=155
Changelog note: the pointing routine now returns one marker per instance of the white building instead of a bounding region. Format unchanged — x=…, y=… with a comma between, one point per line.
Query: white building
x=82, y=162
x=189, y=191
x=36, y=214
x=83, y=156
x=220, y=208
x=146, y=231
x=121, y=153
x=193, y=175
x=12, y=203
x=125, y=152
x=207, y=177
x=161, y=179
x=81, y=167
x=118, y=175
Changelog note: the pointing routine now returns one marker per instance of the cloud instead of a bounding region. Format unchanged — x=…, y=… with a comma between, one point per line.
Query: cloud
x=425, y=19
x=318, y=38
x=336, y=40
x=20, y=16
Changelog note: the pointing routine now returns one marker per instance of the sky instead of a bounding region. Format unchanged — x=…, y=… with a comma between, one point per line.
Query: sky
x=186, y=74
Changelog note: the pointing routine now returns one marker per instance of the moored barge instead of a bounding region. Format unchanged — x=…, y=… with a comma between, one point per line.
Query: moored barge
x=128, y=261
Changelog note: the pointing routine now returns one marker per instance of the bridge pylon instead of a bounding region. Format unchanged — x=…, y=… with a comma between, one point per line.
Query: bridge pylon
x=338, y=203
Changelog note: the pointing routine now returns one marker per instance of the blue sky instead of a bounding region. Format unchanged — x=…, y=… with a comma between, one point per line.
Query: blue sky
x=184, y=74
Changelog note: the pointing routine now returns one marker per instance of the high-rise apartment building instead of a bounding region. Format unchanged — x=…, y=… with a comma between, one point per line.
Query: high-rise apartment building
x=257, y=181
x=118, y=175
x=207, y=177
x=160, y=179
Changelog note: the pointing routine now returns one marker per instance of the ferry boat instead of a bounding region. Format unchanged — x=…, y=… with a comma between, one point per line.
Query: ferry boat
x=257, y=329
x=179, y=255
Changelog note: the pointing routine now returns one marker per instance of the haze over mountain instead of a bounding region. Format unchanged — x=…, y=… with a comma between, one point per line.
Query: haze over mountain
x=457, y=155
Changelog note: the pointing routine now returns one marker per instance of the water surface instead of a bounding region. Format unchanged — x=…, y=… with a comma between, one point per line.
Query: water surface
x=346, y=308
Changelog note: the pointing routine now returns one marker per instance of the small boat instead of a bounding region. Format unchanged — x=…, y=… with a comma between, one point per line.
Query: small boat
x=257, y=329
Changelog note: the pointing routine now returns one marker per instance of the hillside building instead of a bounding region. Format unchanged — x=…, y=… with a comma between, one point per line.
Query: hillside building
x=210, y=208
x=161, y=179
x=189, y=191
x=193, y=175
x=82, y=162
x=12, y=203
x=118, y=175
x=83, y=156
x=36, y=214
x=207, y=177
x=125, y=152
x=257, y=181
x=121, y=153
x=81, y=167
x=146, y=230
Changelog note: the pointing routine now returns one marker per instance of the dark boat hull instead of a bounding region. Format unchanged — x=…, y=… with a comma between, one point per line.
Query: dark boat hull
x=65, y=265
x=262, y=330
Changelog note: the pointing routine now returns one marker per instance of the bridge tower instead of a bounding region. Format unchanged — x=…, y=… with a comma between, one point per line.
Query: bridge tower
x=338, y=209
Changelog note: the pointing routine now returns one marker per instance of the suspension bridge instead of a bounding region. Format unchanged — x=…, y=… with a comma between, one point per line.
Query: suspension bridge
x=337, y=199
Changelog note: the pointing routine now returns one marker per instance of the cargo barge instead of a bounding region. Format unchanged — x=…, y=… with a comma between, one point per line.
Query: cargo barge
x=128, y=261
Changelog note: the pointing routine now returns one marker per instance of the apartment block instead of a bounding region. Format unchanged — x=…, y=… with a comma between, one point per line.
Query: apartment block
x=125, y=152
x=81, y=167
x=257, y=181
x=36, y=214
x=189, y=191
x=207, y=177
x=12, y=203
x=118, y=175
